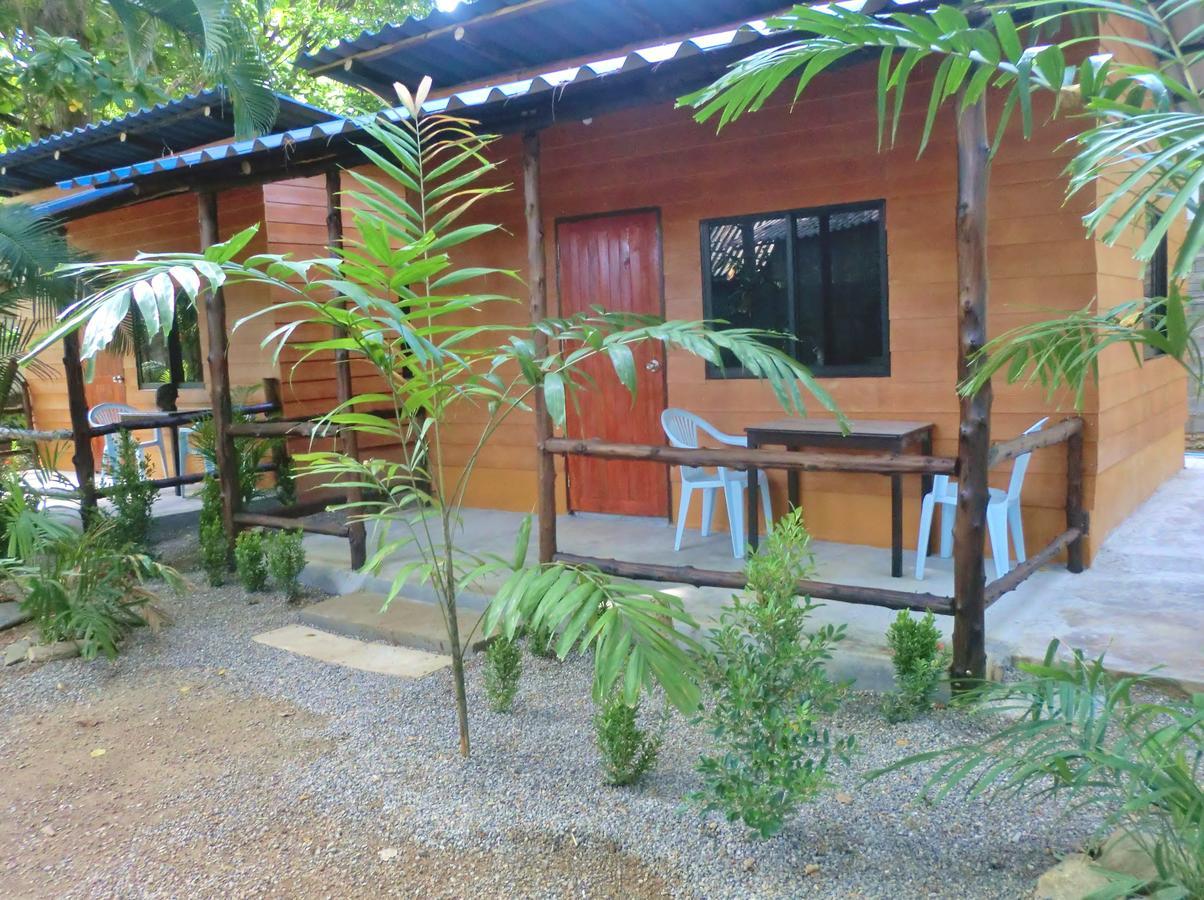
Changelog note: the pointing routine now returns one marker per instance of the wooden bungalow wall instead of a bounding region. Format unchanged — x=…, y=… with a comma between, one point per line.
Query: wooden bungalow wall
x=823, y=152
x=166, y=225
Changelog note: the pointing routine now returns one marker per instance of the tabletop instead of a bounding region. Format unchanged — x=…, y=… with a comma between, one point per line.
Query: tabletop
x=886, y=428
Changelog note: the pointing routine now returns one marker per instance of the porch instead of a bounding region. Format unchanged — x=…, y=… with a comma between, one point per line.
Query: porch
x=1140, y=602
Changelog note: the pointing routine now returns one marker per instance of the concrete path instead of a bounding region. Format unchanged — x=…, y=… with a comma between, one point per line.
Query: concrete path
x=403, y=662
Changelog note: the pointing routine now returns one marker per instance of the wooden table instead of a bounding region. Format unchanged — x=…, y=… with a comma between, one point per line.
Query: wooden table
x=864, y=434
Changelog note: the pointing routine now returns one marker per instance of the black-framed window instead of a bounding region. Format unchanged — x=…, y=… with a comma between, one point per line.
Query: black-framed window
x=1157, y=281
x=176, y=358
x=817, y=274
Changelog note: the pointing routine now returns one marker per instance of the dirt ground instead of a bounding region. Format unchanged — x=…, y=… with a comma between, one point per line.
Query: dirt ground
x=85, y=782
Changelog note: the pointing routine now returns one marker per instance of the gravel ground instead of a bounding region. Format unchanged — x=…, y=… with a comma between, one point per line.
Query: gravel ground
x=234, y=767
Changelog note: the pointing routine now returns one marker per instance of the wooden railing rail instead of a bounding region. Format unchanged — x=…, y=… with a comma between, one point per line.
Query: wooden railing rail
x=744, y=458
x=1027, y=443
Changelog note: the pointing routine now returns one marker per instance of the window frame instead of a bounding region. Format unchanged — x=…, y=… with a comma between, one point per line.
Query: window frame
x=175, y=356
x=878, y=369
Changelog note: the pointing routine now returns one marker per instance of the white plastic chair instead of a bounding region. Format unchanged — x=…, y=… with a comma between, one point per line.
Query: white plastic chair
x=111, y=413
x=682, y=427
x=1003, y=512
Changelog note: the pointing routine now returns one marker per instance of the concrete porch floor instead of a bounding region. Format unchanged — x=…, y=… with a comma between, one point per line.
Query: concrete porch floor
x=1142, y=602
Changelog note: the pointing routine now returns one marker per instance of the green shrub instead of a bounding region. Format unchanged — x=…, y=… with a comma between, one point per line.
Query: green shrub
x=132, y=494
x=628, y=752
x=541, y=642
x=286, y=559
x=920, y=661
x=503, y=668
x=767, y=685
x=249, y=560
x=1073, y=733
x=215, y=545
x=90, y=587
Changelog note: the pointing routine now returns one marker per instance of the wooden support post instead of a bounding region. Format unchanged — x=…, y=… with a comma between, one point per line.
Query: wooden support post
x=1076, y=515
x=537, y=285
x=974, y=435
x=219, y=378
x=81, y=431
x=356, y=534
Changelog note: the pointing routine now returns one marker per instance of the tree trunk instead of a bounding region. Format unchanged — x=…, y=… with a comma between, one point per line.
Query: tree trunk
x=974, y=435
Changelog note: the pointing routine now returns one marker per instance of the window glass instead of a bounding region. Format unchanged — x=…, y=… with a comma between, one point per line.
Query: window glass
x=174, y=358
x=818, y=275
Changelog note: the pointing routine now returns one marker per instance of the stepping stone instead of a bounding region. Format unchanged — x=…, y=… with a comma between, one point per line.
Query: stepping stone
x=11, y=614
x=338, y=650
x=55, y=651
x=410, y=623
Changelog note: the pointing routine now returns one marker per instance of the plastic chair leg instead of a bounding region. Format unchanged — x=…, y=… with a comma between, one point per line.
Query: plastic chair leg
x=708, y=510
x=948, y=515
x=733, y=496
x=997, y=529
x=766, y=505
x=683, y=508
x=1017, y=526
x=925, y=533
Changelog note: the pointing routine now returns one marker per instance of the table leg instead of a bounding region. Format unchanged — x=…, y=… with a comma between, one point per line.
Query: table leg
x=925, y=487
x=896, y=526
x=175, y=452
x=792, y=485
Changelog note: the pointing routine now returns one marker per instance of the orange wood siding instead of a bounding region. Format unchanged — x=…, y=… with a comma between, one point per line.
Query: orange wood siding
x=166, y=225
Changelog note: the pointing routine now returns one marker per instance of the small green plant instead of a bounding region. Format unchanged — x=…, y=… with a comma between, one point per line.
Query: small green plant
x=286, y=559
x=89, y=587
x=767, y=685
x=215, y=547
x=503, y=668
x=541, y=641
x=628, y=752
x=249, y=560
x=1071, y=730
x=132, y=494
x=920, y=661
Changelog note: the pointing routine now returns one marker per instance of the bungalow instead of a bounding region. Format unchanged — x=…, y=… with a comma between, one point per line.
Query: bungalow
x=792, y=219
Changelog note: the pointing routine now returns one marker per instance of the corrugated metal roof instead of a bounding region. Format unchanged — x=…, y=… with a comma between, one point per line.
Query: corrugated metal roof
x=479, y=101
x=77, y=203
x=166, y=128
x=486, y=39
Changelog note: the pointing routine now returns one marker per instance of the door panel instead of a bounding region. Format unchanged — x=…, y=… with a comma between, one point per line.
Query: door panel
x=614, y=261
x=107, y=386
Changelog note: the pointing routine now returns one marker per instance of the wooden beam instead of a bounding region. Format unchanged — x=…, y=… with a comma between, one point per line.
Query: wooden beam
x=219, y=379
x=974, y=434
x=537, y=285
x=284, y=523
x=77, y=405
x=1027, y=443
x=746, y=458
x=822, y=590
x=348, y=439
x=1021, y=572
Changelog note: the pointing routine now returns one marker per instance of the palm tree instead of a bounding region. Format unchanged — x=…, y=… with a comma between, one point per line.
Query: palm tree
x=1144, y=140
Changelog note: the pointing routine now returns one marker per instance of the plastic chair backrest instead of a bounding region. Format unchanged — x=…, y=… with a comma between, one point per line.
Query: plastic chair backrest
x=681, y=428
x=1020, y=466
x=108, y=413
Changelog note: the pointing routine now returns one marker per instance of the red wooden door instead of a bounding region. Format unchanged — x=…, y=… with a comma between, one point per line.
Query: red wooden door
x=107, y=386
x=614, y=261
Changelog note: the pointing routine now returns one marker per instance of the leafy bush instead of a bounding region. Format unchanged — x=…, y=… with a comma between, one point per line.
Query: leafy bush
x=628, y=753
x=1072, y=729
x=215, y=546
x=541, y=641
x=503, y=667
x=767, y=684
x=920, y=661
x=285, y=560
x=249, y=560
x=90, y=588
x=132, y=494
